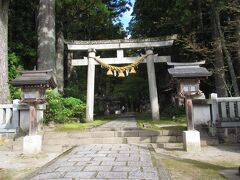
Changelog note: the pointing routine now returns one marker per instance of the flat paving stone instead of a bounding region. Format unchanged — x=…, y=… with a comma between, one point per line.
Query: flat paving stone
x=118, y=175
x=98, y=168
x=114, y=163
x=119, y=124
x=69, y=168
x=80, y=174
x=143, y=175
x=126, y=168
x=102, y=161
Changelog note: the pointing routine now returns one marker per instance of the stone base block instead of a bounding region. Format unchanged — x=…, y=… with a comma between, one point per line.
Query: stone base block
x=32, y=144
x=191, y=141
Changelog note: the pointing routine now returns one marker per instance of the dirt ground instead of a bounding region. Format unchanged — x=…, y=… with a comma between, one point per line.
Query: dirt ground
x=225, y=154
x=14, y=165
x=206, y=164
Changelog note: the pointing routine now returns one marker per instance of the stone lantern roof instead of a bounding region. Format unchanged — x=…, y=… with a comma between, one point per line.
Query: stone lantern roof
x=35, y=78
x=188, y=70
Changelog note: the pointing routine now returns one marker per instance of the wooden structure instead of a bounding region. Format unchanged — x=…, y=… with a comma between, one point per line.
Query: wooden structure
x=34, y=85
x=120, y=46
x=188, y=77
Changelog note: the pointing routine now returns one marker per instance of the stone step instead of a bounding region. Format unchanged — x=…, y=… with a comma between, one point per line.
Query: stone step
x=5, y=130
x=79, y=141
x=209, y=141
x=60, y=145
x=206, y=141
x=111, y=140
x=109, y=134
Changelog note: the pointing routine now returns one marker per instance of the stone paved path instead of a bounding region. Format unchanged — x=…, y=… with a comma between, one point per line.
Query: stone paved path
x=119, y=124
x=102, y=161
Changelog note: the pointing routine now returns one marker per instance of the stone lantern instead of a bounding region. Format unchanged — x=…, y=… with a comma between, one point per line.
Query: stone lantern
x=188, y=76
x=33, y=85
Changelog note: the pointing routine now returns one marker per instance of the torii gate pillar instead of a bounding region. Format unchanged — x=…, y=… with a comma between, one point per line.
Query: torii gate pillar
x=90, y=85
x=120, y=45
x=152, y=85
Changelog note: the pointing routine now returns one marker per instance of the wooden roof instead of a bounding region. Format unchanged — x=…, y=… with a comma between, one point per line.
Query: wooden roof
x=34, y=78
x=188, y=70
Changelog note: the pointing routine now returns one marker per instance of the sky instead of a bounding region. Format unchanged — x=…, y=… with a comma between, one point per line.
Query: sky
x=125, y=19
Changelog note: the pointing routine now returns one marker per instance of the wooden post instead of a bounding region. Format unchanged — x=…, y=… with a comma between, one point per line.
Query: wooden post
x=32, y=119
x=90, y=85
x=189, y=112
x=152, y=85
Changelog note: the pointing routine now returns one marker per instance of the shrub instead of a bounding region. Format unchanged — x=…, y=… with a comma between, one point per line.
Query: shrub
x=77, y=107
x=61, y=110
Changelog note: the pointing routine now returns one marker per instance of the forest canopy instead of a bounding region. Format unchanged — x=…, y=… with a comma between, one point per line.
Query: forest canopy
x=207, y=30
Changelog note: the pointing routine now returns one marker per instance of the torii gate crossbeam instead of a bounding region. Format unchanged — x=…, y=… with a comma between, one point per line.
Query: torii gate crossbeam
x=119, y=46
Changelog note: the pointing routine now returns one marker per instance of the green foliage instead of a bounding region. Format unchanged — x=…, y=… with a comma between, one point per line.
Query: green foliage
x=86, y=19
x=61, y=110
x=76, y=106
x=14, y=67
x=132, y=87
x=76, y=91
x=22, y=31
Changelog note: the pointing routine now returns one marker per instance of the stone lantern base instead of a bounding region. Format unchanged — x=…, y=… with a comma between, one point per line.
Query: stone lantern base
x=32, y=144
x=191, y=141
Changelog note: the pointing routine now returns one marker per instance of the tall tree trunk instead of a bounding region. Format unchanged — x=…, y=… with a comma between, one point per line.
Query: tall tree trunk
x=238, y=49
x=200, y=15
x=4, y=88
x=230, y=64
x=46, y=35
x=227, y=54
x=219, y=74
x=59, y=61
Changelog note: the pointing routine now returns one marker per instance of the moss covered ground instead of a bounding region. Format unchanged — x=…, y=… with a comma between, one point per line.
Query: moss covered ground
x=177, y=123
x=80, y=126
x=191, y=169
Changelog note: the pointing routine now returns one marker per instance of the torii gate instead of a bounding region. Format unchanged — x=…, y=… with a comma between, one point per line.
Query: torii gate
x=119, y=46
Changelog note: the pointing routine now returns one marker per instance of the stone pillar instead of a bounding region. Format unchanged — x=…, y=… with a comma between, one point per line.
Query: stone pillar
x=215, y=114
x=15, y=116
x=90, y=85
x=32, y=144
x=191, y=141
x=152, y=85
